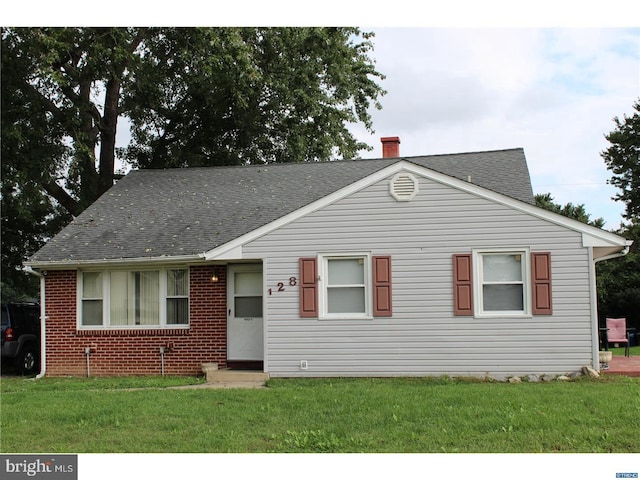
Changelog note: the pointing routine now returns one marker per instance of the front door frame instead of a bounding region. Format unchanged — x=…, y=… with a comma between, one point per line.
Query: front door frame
x=238, y=345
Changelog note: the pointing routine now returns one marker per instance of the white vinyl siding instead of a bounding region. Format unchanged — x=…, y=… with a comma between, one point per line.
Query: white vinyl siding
x=424, y=337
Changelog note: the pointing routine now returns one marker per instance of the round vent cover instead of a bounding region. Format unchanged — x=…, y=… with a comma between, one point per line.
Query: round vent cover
x=403, y=187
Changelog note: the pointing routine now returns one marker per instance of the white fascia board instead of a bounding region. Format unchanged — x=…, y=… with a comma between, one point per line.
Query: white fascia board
x=592, y=236
x=233, y=252
x=73, y=264
x=589, y=240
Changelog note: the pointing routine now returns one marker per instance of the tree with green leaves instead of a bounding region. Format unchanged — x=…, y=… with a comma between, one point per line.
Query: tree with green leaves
x=623, y=160
x=577, y=212
x=29, y=217
x=619, y=279
x=192, y=97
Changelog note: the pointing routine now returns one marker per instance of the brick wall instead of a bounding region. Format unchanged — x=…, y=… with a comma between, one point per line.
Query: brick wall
x=137, y=352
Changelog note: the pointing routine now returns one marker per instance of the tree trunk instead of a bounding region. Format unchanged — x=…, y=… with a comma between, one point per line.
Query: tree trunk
x=85, y=145
x=108, y=135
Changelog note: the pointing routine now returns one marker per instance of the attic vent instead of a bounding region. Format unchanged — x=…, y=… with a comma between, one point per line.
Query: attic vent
x=403, y=187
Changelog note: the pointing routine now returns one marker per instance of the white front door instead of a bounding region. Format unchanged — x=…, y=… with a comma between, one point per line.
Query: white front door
x=245, y=322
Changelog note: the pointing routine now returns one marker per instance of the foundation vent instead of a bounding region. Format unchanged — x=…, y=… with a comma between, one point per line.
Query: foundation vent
x=403, y=187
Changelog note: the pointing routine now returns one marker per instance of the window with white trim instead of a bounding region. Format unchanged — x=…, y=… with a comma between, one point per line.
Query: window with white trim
x=134, y=298
x=92, y=287
x=178, y=296
x=503, y=285
x=345, y=291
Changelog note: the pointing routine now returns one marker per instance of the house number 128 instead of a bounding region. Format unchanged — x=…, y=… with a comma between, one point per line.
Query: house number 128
x=293, y=281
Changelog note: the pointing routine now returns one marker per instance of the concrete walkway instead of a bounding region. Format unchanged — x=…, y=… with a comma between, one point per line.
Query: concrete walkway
x=219, y=385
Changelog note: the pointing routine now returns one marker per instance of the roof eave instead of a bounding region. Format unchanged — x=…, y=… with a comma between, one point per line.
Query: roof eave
x=607, y=252
x=95, y=263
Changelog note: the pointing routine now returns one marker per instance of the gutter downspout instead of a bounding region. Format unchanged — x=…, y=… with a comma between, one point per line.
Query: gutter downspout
x=593, y=293
x=43, y=321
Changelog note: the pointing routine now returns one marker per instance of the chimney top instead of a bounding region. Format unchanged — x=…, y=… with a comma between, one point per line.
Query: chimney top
x=390, y=147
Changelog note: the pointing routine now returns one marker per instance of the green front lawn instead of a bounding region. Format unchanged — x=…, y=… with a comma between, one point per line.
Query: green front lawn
x=74, y=415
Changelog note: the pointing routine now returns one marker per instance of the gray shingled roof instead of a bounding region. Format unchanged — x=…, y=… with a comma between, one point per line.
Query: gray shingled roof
x=176, y=212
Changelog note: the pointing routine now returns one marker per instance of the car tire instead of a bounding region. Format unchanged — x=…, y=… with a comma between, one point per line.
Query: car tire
x=27, y=361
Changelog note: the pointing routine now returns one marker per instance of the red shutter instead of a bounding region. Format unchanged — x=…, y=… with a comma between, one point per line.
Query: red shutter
x=541, y=283
x=382, y=286
x=462, y=285
x=308, y=287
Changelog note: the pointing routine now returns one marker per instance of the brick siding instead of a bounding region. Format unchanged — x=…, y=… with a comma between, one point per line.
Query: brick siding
x=137, y=352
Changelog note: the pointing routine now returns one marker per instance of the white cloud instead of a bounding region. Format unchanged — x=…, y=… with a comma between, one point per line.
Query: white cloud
x=553, y=92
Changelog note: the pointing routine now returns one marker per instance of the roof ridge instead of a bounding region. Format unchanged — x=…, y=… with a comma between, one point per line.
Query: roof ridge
x=458, y=154
x=325, y=162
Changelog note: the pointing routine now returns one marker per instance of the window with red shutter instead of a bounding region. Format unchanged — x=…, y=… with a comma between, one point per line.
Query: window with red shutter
x=508, y=283
x=346, y=286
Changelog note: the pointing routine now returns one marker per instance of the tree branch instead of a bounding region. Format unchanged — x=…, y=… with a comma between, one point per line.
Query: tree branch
x=63, y=197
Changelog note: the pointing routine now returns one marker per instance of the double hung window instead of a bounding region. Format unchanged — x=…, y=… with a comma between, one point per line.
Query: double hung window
x=502, y=280
x=178, y=297
x=92, y=287
x=346, y=286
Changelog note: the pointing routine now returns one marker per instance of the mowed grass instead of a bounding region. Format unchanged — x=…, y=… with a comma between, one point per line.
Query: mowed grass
x=633, y=351
x=141, y=415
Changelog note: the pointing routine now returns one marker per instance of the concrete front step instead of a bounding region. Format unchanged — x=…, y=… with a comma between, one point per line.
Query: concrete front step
x=229, y=376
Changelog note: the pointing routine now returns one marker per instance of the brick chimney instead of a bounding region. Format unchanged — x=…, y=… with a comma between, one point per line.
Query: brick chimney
x=390, y=147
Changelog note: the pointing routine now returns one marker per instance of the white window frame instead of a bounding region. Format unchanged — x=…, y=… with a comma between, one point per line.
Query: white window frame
x=323, y=271
x=82, y=298
x=478, y=275
x=106, y=299
x=167, y=297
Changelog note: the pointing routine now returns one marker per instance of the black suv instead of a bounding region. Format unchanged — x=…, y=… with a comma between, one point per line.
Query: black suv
x=21, y=336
